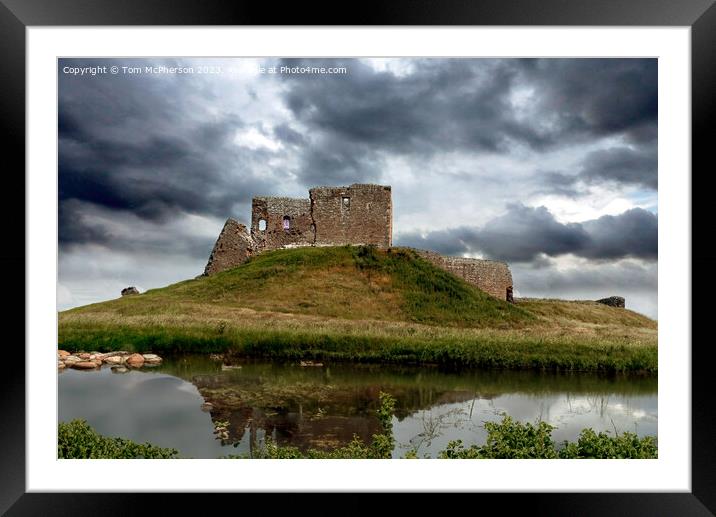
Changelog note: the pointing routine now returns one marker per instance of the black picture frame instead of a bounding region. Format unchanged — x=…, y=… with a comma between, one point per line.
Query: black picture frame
x=700, y=15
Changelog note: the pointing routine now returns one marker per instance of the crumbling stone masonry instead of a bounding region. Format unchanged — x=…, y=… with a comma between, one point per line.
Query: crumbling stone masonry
x=490, y=276
x=233, y=247
x=613, y=301
x=336, y=216
x=281, y=221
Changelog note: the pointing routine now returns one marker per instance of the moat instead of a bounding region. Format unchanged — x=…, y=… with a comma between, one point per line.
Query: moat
x=195, y=405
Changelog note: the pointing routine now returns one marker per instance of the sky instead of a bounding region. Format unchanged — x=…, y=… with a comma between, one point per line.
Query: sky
x=547, y=164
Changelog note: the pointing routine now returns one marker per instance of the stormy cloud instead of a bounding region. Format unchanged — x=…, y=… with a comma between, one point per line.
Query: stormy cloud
x=622, y=165
x=524, y=233
x=136, y=146
x=537, y=103
x=533, y=161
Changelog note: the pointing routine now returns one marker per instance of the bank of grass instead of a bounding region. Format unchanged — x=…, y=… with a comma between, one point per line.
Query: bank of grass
x=366, y=305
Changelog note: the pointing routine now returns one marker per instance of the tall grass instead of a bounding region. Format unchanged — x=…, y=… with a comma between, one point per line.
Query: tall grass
x=487, y=351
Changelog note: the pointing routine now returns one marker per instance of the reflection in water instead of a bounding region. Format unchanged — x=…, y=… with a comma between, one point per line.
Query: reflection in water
x=326, y=407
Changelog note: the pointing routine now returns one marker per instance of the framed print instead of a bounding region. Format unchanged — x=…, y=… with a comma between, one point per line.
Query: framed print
x=431, y=235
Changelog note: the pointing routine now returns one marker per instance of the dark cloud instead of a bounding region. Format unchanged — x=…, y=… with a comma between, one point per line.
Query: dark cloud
x=625, y=166
x=129, y=233
x=524, y=234
x=149, y=145
x=633, y=233
x=621, y=165
x=558, y=183
x=134, y=144
x=466, y=105
x=598, y=97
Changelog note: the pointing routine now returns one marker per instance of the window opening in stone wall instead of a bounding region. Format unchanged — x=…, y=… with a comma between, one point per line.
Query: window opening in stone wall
x=346, y=202
x=262, y=225
x=286, y=223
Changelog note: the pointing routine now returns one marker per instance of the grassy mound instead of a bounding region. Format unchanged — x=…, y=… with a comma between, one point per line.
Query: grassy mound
x=363, y=304
x=339, y=282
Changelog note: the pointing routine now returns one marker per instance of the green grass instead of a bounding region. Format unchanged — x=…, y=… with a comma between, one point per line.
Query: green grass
x=362, y=304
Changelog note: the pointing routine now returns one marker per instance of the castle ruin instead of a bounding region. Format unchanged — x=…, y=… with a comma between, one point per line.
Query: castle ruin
x=361, y=214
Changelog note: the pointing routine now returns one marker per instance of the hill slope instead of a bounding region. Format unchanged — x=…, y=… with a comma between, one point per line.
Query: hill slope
x=363, y=304
x=346, y=282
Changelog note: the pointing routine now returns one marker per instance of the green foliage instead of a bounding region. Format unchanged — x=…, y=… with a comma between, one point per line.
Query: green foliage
x=625, y=445
x=77, y=440
x=509, y=439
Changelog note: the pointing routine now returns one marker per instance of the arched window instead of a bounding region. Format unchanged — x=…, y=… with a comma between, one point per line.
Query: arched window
x=286, y=223
x=262, y=225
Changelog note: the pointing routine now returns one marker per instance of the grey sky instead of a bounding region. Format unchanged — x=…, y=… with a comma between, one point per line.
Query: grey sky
x=550, y=165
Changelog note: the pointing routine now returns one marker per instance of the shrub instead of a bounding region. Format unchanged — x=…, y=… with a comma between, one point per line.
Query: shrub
x=77, y=440
x=511, y=439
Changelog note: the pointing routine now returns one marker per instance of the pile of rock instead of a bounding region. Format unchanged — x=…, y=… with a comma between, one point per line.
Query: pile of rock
x=119, y=361
x=613, y=301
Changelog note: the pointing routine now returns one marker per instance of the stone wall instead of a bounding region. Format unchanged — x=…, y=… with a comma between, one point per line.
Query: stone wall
x=490, y=276
x=233, y=247
x=288, y=222
x=359, y=214
x=613, y=301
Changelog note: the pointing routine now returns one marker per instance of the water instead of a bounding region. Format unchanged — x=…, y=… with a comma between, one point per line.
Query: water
x=325, y=406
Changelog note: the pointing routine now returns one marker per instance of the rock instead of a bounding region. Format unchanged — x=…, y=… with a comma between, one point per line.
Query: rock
x=84, y=355
x=112, y=354
x=135, y=360
x=84, y=365
x=115, y=359
x=98, y=362
x=119, y=369
x=151, y=358
x=61, y=365
x=72, y=359
x=62, y=354
x=207, y=406
x=310, y=363
x=613, y=301
x=129, y=290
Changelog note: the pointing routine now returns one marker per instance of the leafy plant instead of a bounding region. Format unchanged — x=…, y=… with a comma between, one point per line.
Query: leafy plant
x=77, y=440
x=511, y=439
